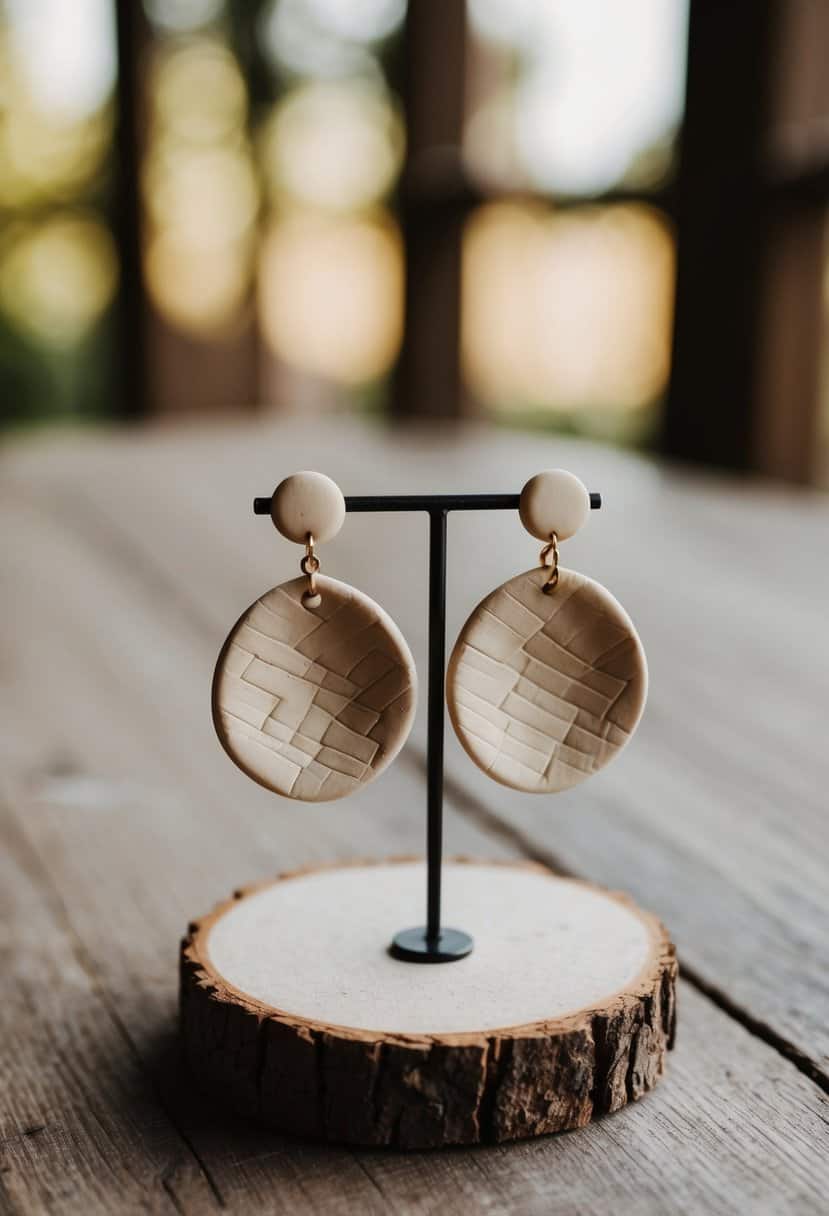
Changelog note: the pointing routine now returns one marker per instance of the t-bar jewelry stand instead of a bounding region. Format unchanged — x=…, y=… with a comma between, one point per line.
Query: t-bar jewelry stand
x=432, y=943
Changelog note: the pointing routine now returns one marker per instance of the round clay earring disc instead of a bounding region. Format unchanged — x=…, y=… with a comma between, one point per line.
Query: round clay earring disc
x=313, y=702
x=544, y=690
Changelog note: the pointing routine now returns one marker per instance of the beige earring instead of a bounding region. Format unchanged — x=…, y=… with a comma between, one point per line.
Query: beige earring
x=548, y=679
x=314, y=690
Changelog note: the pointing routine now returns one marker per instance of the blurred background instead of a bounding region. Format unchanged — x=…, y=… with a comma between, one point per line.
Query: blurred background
x=578, y=216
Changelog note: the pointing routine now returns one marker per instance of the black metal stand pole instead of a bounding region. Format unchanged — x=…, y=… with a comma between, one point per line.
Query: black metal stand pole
x=432, y=942
x=434, y=745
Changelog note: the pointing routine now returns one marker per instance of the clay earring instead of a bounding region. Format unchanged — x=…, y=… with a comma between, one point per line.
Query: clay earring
x=314, y=690
x=548, y=679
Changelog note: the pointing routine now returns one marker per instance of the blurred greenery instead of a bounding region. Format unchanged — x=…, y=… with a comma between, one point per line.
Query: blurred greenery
x=40, y=385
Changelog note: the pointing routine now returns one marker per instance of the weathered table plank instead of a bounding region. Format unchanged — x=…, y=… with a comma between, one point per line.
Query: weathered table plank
x=133, y=821
x=724, y=791
x=80, y=1126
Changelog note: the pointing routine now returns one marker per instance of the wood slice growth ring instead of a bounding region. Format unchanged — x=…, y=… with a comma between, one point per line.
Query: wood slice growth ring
x=293, y=1012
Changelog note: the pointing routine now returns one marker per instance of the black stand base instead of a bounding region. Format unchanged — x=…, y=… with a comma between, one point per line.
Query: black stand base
x=413, y=946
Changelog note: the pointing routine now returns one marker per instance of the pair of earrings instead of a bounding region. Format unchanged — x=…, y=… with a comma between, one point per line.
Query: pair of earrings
x=315, y=688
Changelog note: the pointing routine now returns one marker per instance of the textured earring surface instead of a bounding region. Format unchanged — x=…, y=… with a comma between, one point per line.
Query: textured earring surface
x=548, y=678
x=313, y=695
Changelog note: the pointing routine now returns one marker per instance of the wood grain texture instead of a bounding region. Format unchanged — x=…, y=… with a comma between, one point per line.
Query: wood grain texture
x=708, y=818
x=544, y=689
x=313, y=701
x=427, y=1089
x=79, y=1111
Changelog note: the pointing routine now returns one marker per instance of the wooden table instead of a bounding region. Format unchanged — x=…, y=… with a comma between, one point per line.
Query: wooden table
x=127, y=558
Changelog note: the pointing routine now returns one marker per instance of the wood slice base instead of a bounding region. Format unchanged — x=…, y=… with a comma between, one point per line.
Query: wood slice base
x=293, y=1011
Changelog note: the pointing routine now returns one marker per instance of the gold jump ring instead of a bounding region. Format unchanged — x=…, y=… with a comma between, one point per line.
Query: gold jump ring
x=309, y=565
x=548, y=550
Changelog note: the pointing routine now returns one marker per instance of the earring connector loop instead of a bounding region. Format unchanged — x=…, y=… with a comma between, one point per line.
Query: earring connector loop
x=309, y=565
x=550, y=549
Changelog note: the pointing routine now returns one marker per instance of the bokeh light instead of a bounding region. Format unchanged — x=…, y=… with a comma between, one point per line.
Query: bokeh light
x=333, y=145
x=330, y=274
x=58, y=261
x=595, y=96
x=182, y=16
x=200, y=188
x=331, y=295
x=205, y=197
x=197, y=92
x=327, y=38
x=567, y=310
x=57, y=277
x=43, y=159
x=359, y=20
x=195, y=292
x=65, y=52
x=297, y=43
x=57, y=123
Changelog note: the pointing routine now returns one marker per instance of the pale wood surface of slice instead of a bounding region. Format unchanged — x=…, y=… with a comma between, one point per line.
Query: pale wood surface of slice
x=123, y=817
x=545, y=689
x=314, y=700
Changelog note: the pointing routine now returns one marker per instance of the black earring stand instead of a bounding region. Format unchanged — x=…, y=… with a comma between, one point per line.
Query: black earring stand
x=432, y=943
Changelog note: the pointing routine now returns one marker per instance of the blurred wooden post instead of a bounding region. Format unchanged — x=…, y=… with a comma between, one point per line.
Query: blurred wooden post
x=432, y=206
x=720, y=229
x=785, y=441
x=131, y=378
x=789, y=440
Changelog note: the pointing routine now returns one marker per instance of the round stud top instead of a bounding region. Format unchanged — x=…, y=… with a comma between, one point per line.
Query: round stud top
x=554, y=501
x=308, y=502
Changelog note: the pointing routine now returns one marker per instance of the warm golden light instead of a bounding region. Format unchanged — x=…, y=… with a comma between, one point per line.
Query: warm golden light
x=58, y=277
x=567, y=310
x=337, y=146
x=202, y=206
x=198, y=94
x=200, y=189
x=331, y=295
x=42, y=159
x=45, y=154
x=194, y=290
x=206, y=197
